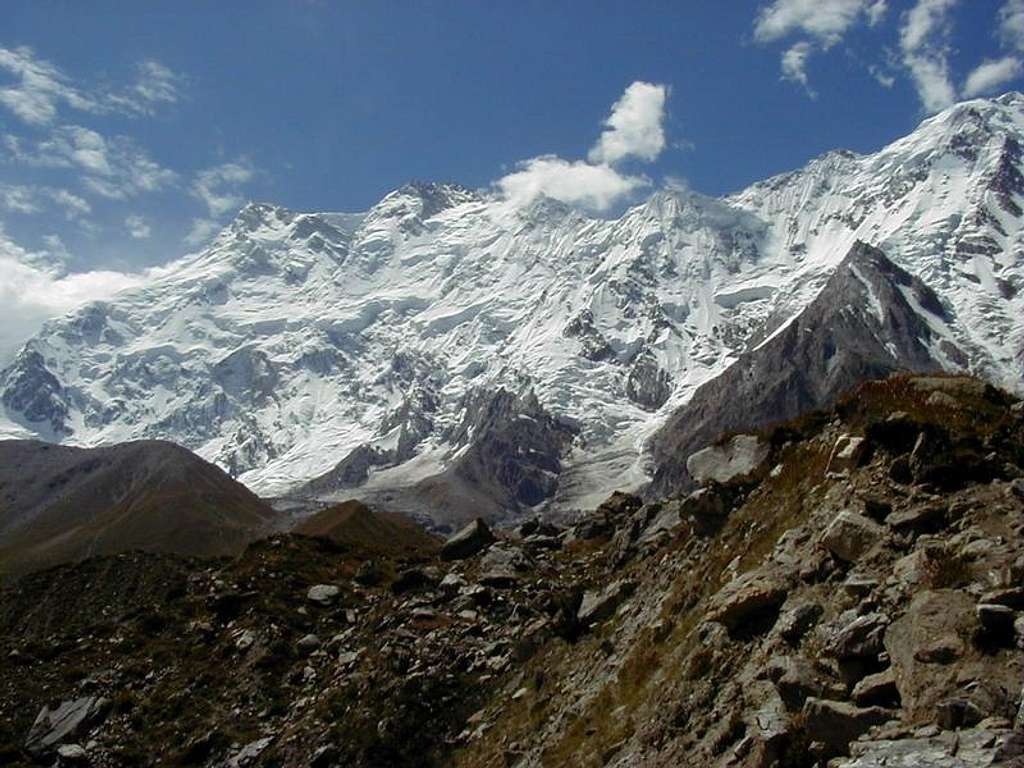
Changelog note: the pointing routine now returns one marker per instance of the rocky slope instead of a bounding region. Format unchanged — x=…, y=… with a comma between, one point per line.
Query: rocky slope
x=351, y=350
x=853, y=599
x=59, y=504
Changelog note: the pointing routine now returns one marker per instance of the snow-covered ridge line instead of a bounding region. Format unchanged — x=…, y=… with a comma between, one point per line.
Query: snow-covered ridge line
x=298, y=338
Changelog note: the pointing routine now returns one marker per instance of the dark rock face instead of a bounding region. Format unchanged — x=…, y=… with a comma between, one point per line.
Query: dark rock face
x=647, y=384
x=35, y=393
x=510, y=458
x=860, y=327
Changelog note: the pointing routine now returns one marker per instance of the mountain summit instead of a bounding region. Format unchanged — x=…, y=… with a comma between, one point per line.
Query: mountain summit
x=358, y=351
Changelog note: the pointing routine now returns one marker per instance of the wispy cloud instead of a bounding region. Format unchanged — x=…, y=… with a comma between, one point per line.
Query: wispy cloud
x=113, y=167
x=633, y=130
x=138, y=228
x=218, y=188
x=40, y=88
x=820, y=24
x=924, y=43
x=988, y=76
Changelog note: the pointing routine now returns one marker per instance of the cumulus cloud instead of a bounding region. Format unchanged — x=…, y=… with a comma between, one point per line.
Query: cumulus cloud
x=924, y=43
x=15, y=198
x=25, y=199
x=635, y=126
x=990, y=75
x=35, y=288
x=138, y=228
x=578, y=183
x=40, y=88
x=633, y=130
x=218, y=188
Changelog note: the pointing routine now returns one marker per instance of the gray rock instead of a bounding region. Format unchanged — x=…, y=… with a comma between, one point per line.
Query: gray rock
x=795, y=622
x=308, y=643
x=71, y=718
x=72, y=754
x=248, y=754
x=850, y=535
x=973, y=748
x=837, y=723
x=597, y=606
x=878, y=689
x=323, y=594
x=746, y=597
x=474, y=538
x=846, y=454
x=927, y=517
x=722, y=463
x=861, y=638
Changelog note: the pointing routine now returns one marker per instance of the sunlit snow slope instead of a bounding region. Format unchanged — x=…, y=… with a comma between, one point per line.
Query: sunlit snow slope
x=297, y=341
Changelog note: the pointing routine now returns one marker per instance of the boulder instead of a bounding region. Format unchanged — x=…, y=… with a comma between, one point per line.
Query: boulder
x=878, y=689
x=850, y=535
x=323, y=594
x=748, y=600
x=836, y=723
x=474, y=538
x=795, y=679
x=721, y=463
x=860, y=638
x=996, y=624
x=847, y=454
x=919, y=519
x=54, y=727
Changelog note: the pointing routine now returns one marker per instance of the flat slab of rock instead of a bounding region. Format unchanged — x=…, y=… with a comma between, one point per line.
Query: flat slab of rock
x=846, y=454
x=597, y=606
x=53, y=727
x=474, y=538
x=971, y=748
x=739, y=456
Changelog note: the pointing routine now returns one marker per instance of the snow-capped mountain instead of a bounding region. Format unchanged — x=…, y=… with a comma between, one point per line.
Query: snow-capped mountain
x=503, y=358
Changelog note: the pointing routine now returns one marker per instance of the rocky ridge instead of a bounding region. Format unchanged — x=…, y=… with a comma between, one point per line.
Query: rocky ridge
x=853, y=600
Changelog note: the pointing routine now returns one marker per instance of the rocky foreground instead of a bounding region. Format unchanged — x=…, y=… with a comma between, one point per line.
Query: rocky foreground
x=844, y=590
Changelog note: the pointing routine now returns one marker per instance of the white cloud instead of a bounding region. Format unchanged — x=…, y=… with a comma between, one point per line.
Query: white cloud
x=73, y=205
x=137, y=227
x=577, y=183
x=217, y=186
x=990, y=75
x=1011, y=23
x=824, y=20
x=794, y=64
x=821, y=24
x=924, y=43
x=15, y=198
x=40, y=88
x=35, y=288
x=634, y=128
x=201, y=231
x=112, y=167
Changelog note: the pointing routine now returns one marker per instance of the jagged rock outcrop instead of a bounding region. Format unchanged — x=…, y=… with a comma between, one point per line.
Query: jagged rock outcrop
x=870, y=320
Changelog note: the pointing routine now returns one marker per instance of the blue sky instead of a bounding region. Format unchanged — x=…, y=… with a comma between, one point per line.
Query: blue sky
x=129, y=132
